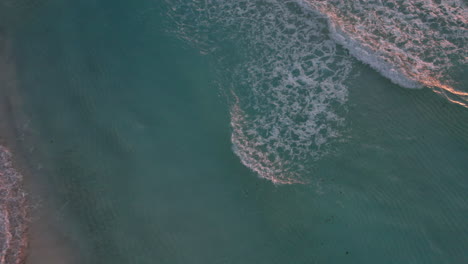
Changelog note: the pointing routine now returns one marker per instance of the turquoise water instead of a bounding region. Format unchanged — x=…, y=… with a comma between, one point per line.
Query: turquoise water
x=244, y=131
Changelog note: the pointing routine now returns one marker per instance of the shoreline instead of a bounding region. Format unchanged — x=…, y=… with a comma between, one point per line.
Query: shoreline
x=14, y=210
x=31, y=233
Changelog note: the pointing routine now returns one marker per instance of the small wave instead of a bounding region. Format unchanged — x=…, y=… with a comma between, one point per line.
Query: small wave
x=377, y=63
x=413, y=43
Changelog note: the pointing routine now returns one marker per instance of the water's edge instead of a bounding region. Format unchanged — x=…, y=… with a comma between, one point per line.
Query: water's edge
x=13, y=201
x=28, y=233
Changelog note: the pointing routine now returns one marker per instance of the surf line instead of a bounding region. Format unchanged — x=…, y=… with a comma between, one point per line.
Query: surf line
x=13, y=212
x=402, y=74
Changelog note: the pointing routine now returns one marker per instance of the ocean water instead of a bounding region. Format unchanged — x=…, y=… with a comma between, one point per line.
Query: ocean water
x=248, y=131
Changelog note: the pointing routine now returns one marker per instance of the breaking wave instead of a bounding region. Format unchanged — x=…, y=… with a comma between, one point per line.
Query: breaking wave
x=286, y=75
x=416, y=43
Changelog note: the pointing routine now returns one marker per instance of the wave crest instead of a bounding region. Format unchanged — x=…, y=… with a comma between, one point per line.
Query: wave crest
x=414, y=43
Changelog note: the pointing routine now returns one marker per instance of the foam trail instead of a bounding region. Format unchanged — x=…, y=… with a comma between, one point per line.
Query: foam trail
x=414, y=43
x=288, y=93
x=252, y=157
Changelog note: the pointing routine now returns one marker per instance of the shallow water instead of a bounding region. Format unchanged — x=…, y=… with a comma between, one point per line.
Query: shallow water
x=243, y=131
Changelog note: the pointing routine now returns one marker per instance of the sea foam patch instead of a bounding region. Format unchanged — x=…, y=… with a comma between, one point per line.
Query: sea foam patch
x=288, y=93
x=414, y=43
x=288, y=90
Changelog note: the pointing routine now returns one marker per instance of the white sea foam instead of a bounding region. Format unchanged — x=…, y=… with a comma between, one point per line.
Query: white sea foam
x=287, y=92
x=287, y=76
x=414, y=43
x=367, y=56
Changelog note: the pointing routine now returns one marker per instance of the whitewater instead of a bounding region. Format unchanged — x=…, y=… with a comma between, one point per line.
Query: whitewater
x=413, y=43
x=288, y=108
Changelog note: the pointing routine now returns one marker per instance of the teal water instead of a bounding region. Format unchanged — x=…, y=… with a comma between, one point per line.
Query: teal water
x=239, y=132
